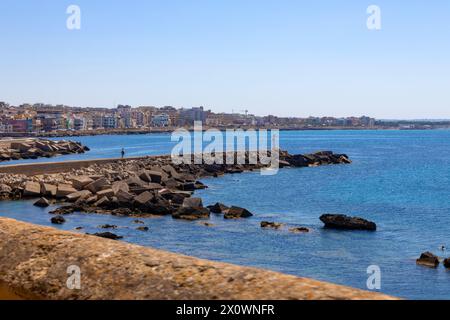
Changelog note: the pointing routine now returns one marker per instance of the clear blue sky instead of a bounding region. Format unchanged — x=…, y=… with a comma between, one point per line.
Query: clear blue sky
x=289, y=58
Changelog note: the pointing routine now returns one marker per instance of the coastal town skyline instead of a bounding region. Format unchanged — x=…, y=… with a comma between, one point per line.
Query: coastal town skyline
x=46, y=118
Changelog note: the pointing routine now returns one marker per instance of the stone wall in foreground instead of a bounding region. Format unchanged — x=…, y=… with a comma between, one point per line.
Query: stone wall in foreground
x=34, y=262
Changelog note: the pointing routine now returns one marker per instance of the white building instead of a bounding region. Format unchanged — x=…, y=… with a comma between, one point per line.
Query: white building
x=160, y=120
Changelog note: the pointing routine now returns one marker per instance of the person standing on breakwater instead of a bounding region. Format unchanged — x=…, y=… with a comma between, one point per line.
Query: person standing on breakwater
x=123, y=153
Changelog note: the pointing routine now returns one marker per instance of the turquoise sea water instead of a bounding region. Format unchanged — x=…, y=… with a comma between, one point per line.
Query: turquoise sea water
x=399, y=179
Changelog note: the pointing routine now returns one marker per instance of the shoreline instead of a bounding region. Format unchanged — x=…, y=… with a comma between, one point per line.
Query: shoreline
x=63, y=134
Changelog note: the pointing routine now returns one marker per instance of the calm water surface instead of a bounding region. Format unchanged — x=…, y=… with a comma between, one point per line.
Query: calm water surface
x=399, y=179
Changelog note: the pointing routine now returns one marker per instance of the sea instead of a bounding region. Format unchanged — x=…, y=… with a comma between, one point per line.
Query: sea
x=398, y=179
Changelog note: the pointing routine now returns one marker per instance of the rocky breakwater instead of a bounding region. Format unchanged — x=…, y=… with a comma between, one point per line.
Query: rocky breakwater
x=142, y=187
x=37, y=148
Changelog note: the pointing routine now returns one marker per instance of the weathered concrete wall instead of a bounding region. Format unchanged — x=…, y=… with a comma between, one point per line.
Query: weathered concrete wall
x=34, y=262
x=33, y=169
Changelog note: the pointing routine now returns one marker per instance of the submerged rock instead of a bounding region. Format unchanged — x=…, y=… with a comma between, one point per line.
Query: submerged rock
x=192, y=209
x=218, y=208
x=340, y=221
x=273, y=225
x=299, y=230
x=108, y=226
x=42, y=203
x=108, y=235
x=447, y=263
x=428, y=259
x=58, y=220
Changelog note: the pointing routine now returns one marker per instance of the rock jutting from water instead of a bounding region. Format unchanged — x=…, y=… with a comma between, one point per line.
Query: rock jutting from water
x=447, y=263
x=272, y=225
x=143, y=187
x=428, y=259
x=340, y=221
x=37, y=148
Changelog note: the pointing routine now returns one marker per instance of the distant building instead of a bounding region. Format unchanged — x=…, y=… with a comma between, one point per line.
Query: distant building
x=124, y=112
x=160, y=120
x=79, y=124
x=109, y=122
x=188, y=116
x=19, y=125
x=97, y=121
x=6, y=128
x=49, y=124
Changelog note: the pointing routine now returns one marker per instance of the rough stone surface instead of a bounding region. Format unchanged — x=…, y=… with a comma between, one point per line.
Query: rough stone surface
x=64, y=190
x=34, y=262
x=79, y=182
x=32, y=189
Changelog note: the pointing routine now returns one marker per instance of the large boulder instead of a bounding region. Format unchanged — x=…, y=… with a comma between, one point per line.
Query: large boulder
x=156, y=177
x=143, y=199
x=190, y=213
x=298, y=160
x=21, y=146
x=120, y=186
x=159, y=208
x=159, y=172
x=144, y=176
x=58, y=220
x=4, y=188
x=32, y=189
x=106, y=193
x=135, y=182
x=193, y=203
x=237, y=213
x=104, y=202
x=218, y=208
x=44, y=146
x=42, y=203
x=124, y=197
x=447, y=263
x=64, y=190
x=48, y=190
x=192, y=209
x=108, y=235
x=84, y=194
x=173, y=173
x=97, y=185
x=428, y=259
x=176, y=197
x=80, y=182
x=340, y=221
